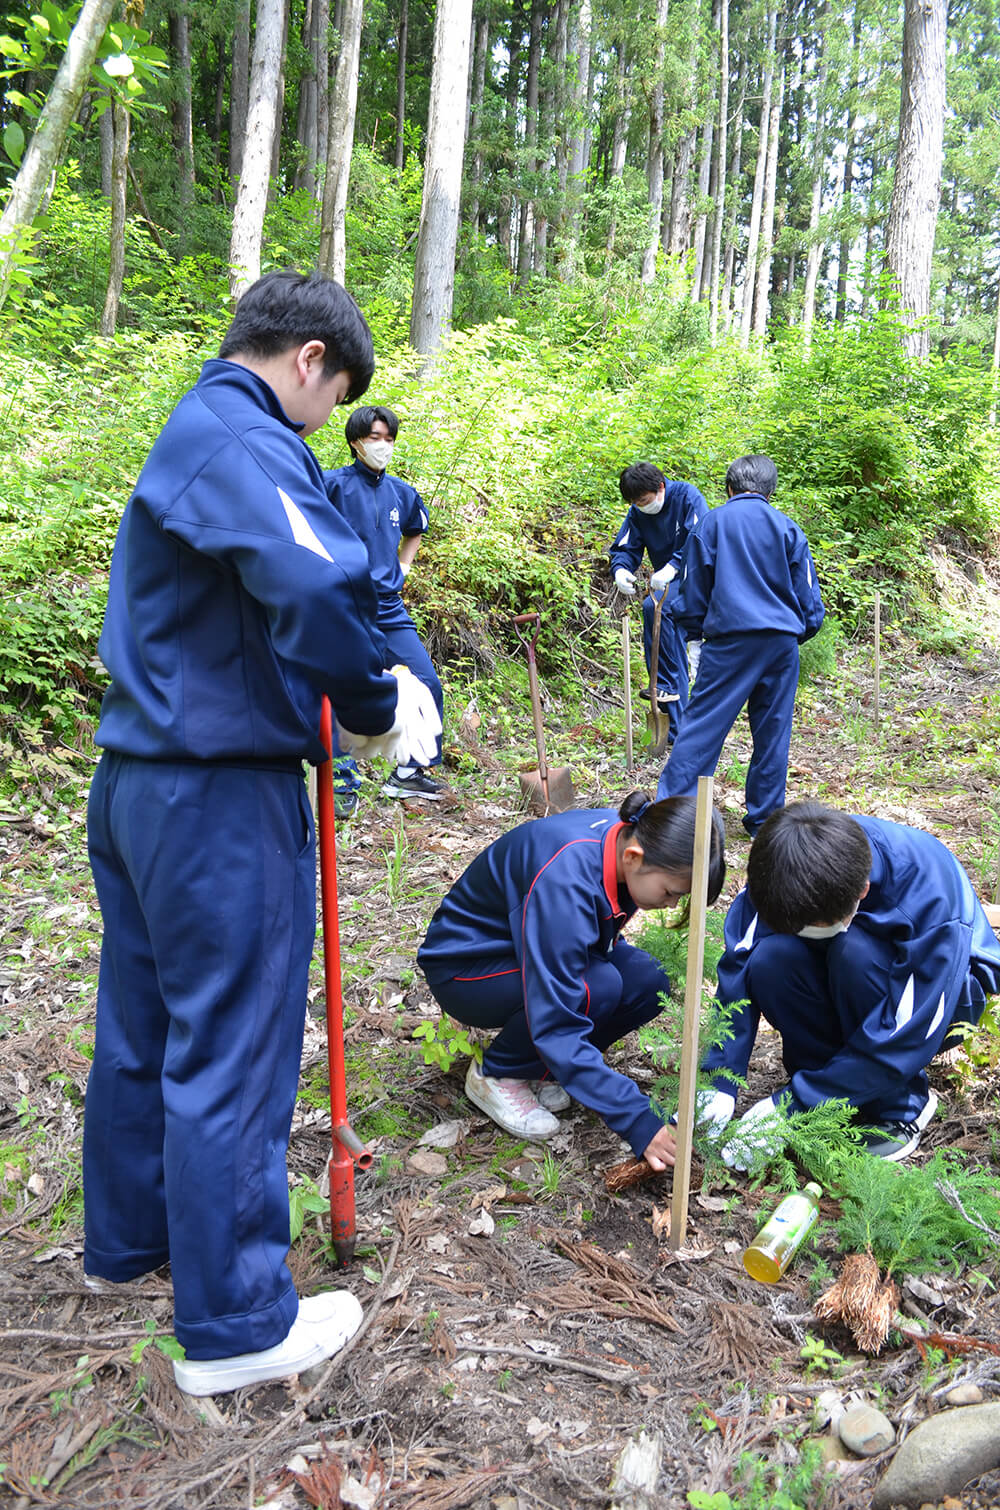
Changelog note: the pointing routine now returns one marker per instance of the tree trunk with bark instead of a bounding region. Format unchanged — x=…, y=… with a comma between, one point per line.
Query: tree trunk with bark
x=180, y=47
x=760, y=308
x=434, y=269
x=916, y=184
x=332, y=237
x=251, y=198
x=756, y=203
x=704, y=179
x=239, y=92
x=721, y=151
x=119, y=189
x=816, y=247
x=402, y=39
x=654, y=152
x=45, y=148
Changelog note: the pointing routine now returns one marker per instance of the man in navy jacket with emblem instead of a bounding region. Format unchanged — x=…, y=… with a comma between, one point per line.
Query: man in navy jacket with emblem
x=237, y=598
x=391, y=518
x=861, y=942
x=661, y=515
x=748, y=589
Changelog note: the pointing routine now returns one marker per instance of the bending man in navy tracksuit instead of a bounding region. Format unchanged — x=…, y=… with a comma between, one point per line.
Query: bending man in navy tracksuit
x=748, y=588
x=390, y=517
x=861, y=942
x=660, y=517
x=527, y=941
x=237, y=597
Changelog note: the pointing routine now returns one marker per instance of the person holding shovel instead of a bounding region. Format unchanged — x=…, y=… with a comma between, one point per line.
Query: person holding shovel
x=528, y=942
x=391, y=518
x=862, y=943
x=237, y=598
x=748, y=588
x=661, y=515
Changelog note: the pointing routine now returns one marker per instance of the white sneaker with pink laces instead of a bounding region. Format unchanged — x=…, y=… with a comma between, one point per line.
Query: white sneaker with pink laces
x=511, y=1104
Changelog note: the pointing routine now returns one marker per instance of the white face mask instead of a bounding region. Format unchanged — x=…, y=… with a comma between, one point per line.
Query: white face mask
x=652, y=508
x=829, y=930
x=376, y=454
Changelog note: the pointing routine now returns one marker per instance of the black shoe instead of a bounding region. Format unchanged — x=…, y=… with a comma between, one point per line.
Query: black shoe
x=896, y=1140
x=345, y=805
x=417, y=785
x=663, y=698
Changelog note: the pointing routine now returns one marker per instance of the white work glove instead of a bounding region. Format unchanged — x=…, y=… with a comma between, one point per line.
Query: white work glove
x=412, y=740
x=694, y=657
x=404, y=567
x=756, y=1132
x=625, y=582
x=663, y=578
x=713, y=1111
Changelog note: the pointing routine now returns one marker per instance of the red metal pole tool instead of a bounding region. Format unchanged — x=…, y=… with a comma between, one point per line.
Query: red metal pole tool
x=347, y=1146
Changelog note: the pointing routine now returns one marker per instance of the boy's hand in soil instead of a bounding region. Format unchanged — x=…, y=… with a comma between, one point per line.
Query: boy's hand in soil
x=659, y=1151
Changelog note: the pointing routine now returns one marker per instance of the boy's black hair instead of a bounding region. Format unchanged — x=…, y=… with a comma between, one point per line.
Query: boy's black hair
x=808, y=866
x=287, y=308
x=752, y=474
x=359, y=424
x=639, y=479
x=664, y=832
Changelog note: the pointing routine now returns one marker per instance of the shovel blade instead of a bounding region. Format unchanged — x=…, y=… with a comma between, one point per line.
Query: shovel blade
x=561, y=793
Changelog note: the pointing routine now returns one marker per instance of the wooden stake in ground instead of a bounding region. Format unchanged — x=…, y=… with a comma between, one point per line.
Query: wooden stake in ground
x=878, y=655
x=692, y=1012
x=627, y=665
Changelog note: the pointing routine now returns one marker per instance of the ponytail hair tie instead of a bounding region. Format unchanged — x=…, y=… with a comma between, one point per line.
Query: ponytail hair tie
x=639, y=812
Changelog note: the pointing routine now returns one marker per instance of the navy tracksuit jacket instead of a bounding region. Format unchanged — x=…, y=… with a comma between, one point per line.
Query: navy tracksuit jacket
x=662, y=536
x=861, y=1015
x=382, y=510
x=527, y=940
x=237, y=598
x=748, y=588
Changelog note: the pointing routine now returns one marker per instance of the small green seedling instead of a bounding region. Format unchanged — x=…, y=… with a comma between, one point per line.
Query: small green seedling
x=444, y=1042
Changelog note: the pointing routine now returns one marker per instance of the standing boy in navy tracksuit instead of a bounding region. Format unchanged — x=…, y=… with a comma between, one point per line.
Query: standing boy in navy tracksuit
x=661, y=516
x=527, y=941
x=861, y=942
x=390, y=517
x=748, y=589
x=237, y=597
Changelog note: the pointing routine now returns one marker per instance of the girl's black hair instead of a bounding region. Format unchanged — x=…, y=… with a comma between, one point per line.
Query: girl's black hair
x=664, y=832
x=286, y=309
x=807, y=867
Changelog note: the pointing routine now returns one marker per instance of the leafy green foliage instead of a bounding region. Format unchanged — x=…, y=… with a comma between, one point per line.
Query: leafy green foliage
x=442, y=1041
x=761, y=1484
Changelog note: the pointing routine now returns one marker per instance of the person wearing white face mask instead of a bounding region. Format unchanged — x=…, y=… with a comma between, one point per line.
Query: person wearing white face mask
x=660, y=517
x=391, y=518
x=861, y=942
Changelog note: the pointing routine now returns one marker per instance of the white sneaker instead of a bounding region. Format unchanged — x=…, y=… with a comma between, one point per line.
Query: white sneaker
x=551, y=1095
x=324, y=1323
x=512, y=1104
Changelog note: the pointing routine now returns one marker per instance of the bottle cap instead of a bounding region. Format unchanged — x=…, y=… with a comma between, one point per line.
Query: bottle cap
x=814, y=1189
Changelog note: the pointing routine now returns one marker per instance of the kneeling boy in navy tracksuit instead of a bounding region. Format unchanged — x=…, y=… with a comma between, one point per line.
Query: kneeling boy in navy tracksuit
x=861, y=942
x=748, y=588
x=391, y=518
x=661, y=516
x=237, y=597
x=528, y=941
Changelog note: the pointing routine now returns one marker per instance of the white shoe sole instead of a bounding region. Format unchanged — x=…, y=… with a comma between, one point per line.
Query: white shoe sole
x=324, y=1324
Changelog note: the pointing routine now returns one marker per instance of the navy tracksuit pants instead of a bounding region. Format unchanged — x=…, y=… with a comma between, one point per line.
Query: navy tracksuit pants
x=623, y=986
x=672, y=665
x=406, y=646
x=206, y=879
x=762, y=671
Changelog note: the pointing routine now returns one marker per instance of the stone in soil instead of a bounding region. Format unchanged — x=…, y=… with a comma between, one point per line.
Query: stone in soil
x=941, y=1455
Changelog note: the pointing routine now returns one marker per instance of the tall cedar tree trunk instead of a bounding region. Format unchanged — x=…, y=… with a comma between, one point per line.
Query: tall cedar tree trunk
x=679, y=234
x=847, y=187
x=480, y=54
x=721, y=149
x=434, y=269
x=279, y=107
x=916, y=183
x=180, y=47
x=45, y=148
x=402, y=38
x=332, y=237
x=870, y=229
x=816, y=246
x=530, y=141
x=704, y=180
x=239, y=93
x=251, y=197
x=119, y=186
x=654, y=153
x=760, y=307
x=219, y=111
x=619, y=144
x=578, y=150
x=543, y=158
x=508, y=215
x=312, y=89
x=753, y=231
x=106, y=132
x=734, y=178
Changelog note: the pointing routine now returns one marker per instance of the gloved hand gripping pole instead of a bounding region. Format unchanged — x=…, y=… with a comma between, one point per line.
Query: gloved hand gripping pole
x=347, y=1146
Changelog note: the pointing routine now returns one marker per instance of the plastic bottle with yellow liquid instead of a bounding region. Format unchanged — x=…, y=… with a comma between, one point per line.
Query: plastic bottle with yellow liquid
x=781, y=1236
